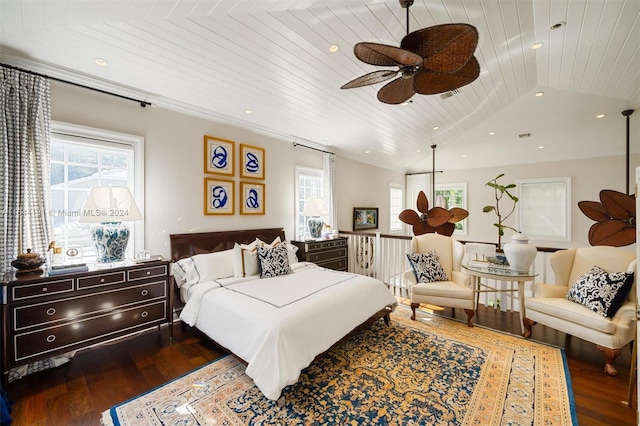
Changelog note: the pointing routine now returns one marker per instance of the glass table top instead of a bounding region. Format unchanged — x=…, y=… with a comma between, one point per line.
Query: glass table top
x=498, y=270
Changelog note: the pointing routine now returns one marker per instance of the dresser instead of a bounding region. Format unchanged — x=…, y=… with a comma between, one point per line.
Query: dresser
x=45, y=315
x=330, y=254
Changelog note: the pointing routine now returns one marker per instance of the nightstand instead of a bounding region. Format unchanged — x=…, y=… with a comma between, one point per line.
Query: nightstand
x=45, y=315
x=330, y=254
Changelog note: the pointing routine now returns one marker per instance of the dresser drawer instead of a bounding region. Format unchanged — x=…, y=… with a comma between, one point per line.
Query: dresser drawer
x=325, y=245
x=77, y=307
x=82, y=333
x=327, y=255
x=27, y=291
x=152, y=271
x=100, y=280
x=336, y=264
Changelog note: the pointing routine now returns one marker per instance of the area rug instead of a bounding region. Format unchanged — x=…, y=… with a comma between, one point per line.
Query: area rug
x=427, y=372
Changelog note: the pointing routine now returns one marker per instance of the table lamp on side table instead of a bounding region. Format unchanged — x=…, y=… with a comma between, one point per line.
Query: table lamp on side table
x=313, y=210
x=107, y=207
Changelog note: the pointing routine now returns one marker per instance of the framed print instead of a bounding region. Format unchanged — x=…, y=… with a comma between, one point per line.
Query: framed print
x=252, y=199
x=365, y=218
x=218, y=196
x=218, y=155
x=251, y=162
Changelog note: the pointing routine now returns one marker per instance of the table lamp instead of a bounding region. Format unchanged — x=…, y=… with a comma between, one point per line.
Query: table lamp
x=107, y=207
x=313, y=210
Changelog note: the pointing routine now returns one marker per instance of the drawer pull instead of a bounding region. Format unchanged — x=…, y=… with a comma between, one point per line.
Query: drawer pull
x=101, y=280
x=148, y=272
x=144, y=314
x=44, y=289
x=51, y=338
x=144, y=292
x=51, y=311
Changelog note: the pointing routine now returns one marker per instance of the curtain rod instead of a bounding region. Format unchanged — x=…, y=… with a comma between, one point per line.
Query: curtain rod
x=310, y=147
x=142, y=103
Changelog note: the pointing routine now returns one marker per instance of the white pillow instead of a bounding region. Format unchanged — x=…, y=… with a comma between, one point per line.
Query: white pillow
x=203, y=267
x=245, y=260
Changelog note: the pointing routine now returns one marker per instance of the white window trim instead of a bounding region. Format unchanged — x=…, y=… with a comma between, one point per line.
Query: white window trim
x=567, y=208
x=402, y=203
x=137, y=142
x=463, y=186
x=298, y=170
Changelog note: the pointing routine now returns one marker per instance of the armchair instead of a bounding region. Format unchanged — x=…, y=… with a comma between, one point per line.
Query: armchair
x=457, y=291
x=549, y=305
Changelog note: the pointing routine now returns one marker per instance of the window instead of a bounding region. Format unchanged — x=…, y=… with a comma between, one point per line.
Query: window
x=82, y=158
x=395, y=207
x=543, y=209
x=455, y=195
x=308, y=185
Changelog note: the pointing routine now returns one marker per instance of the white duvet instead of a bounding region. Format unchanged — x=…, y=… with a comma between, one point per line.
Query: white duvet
x=279, y=325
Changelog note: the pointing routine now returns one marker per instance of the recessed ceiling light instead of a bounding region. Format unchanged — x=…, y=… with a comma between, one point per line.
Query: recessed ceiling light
x=405, y=103
x=100, y=62
x=537, y=45
x=601, y=116
x=464, y=155
x=540, y=146
x=334, y=48
x=436, y=127
x=539, y=94
x=367, y=152
x=557, y=25
x=248, y=111
x=417, y=150
x=326, y=138
x=492, y=133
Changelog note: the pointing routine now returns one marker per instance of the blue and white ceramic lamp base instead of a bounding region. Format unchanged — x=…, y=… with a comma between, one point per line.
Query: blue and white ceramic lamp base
x=110, y=241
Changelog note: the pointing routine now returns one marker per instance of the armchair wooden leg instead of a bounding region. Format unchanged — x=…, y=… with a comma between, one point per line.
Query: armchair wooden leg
x=528, y=324
x=414, y=306
x=470, y=313
x=609, y=355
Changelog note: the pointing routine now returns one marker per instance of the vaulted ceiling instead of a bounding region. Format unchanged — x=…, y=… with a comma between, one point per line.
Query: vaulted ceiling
x=219, y=58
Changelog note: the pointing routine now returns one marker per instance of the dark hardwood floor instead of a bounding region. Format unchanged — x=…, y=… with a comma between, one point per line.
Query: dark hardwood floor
x=98, y=378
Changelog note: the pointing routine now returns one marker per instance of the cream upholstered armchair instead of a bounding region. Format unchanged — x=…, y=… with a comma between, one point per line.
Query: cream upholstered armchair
x=574, y=273
x=452, y=290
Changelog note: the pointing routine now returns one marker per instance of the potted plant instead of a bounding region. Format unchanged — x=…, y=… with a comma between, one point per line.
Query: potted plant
x=500, y=191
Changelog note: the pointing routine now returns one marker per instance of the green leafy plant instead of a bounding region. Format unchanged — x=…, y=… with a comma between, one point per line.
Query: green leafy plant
x=500, y=191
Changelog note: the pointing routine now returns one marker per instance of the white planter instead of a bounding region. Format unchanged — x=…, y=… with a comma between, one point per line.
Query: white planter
x=520, y=253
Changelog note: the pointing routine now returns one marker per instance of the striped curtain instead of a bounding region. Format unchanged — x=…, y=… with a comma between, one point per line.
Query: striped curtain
x=329, y=185
x=25, y=118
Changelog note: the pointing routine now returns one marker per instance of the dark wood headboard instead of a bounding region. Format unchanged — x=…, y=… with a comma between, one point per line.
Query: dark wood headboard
x=186, y=245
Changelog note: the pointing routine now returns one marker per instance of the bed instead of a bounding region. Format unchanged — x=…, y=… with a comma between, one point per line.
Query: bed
x=277, y=325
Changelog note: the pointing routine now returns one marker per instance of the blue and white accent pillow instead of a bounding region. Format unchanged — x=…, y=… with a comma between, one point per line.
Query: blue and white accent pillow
x=427, y=267
x=601, y=291
x=274, y=261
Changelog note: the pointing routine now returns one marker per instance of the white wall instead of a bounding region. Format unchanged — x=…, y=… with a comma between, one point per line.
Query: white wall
x=174, y=174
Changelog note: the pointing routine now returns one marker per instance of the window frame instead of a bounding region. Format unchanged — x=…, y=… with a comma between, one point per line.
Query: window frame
x=106, y=138
x=455, y=186
x=398, y=187
x=565, y=182
x=299, y=170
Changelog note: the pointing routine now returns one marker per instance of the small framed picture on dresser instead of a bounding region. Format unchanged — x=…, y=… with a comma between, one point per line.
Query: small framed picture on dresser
x=218, y=156
x=218, y=196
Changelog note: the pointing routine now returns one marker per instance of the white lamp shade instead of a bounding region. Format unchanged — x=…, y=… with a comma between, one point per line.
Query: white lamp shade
x=314, y=207
x=109, y=204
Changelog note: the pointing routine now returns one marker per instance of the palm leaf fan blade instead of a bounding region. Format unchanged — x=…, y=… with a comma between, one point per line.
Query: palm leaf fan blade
x=446, y=229
x=397, y=92
x=458, y=214
x=431, y=83
x=385, y=55
x=370, y=78
x=445, y=48
x=422, y=203
x=423, y=228
x=618, y=205
x=613, y=233
x=593, y=210
x=409, y=217
x=438, y=216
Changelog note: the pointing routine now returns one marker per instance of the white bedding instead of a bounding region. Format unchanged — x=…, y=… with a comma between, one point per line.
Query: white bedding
x=279, y=325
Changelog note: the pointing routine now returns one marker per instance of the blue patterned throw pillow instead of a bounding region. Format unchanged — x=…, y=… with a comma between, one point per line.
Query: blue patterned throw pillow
x=427, y=267
x=274, y=261
x=601, y=291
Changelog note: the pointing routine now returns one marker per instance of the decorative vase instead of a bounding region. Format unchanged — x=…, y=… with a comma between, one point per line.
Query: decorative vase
x=520, y=253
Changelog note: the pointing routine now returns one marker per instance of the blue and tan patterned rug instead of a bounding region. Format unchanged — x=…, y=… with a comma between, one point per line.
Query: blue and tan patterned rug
x=430, y=372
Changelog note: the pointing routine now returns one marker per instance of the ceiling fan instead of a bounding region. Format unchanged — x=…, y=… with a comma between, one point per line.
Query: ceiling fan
x=432, y=60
